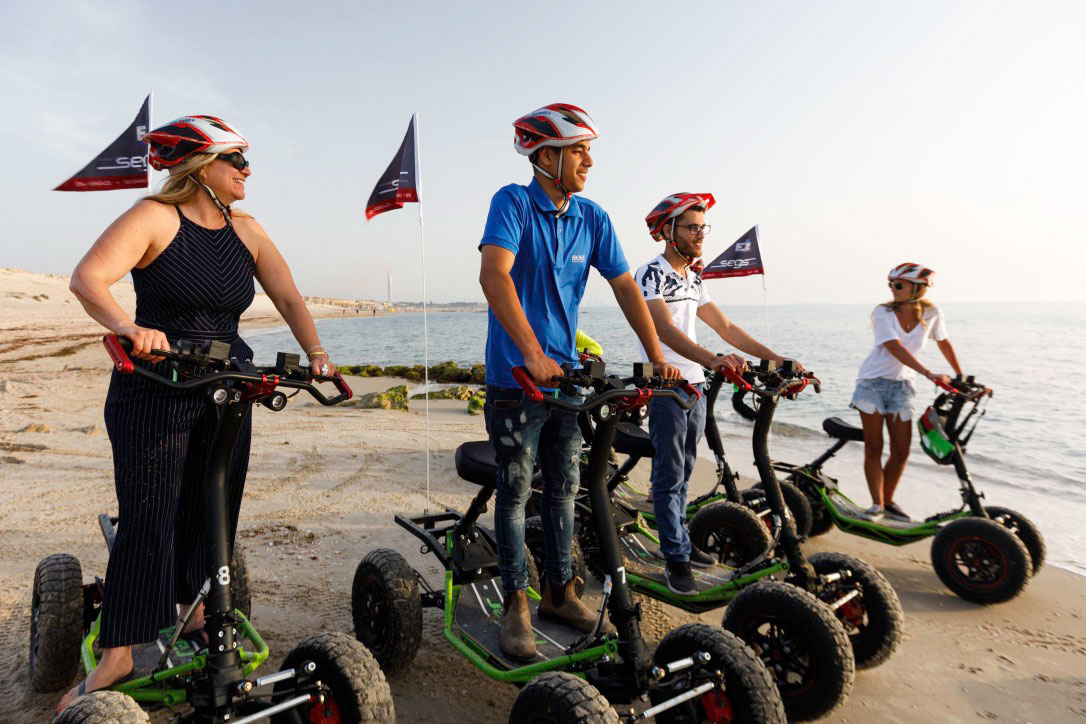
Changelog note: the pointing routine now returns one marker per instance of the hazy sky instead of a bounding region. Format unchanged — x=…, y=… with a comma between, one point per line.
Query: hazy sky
x=856, y=134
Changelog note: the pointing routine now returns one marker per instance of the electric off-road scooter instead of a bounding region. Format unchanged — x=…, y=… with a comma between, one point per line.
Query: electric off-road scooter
x=699, y=673
x=632, y=440
x=328, y=677
x=832, y=614
x=983, y=553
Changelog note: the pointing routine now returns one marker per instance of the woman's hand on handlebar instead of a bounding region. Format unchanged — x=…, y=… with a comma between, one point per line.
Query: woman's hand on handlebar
x=941, y=380
x=666, y=371
x=320, y=365
x=732, y=362
x=544, y=370
x=144, y=340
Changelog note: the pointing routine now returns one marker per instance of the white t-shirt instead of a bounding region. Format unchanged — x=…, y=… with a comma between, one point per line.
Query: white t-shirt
x=880, y=363
x=683, y=295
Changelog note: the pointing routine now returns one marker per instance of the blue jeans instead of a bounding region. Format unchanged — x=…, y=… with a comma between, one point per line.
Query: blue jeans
x=523, y=430
x=675, y=433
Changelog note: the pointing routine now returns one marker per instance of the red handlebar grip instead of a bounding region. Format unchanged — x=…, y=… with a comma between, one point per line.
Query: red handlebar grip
x=945, y=386
x=736, y=379
x=524, y=379
x=121, y=361
x=342, y=386
x=691, y=390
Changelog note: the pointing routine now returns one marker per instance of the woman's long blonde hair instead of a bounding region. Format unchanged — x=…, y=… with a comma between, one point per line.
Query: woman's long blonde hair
x=916, y=301
x=184, y=181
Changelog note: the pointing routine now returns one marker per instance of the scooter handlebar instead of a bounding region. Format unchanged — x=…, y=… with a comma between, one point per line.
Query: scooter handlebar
x=269, y=378
x=599, y=399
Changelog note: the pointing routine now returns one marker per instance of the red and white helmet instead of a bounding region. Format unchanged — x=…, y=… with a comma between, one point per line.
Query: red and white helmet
x=914, y=273
x=177, y=140
x=672, y=208
x=559, y=124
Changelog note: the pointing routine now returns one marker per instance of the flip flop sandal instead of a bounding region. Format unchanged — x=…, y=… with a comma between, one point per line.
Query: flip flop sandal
x=81, y=690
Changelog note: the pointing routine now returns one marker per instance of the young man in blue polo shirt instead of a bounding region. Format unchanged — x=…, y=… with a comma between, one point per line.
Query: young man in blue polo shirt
x=537, y=248
x=676, y=298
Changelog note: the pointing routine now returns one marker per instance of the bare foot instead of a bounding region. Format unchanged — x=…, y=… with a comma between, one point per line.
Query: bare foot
x=115, y=664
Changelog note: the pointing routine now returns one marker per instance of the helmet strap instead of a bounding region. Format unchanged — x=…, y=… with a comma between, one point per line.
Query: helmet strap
x=226, y=213
x=675, y=244
x=557, y=182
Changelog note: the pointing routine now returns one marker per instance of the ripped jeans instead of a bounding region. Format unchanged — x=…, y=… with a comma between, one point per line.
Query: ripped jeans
x=522, y=430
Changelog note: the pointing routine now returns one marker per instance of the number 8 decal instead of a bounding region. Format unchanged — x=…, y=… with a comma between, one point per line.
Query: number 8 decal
x=224, y=576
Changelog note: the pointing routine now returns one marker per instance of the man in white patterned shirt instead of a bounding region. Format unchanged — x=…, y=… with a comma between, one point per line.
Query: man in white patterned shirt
x=676, y=298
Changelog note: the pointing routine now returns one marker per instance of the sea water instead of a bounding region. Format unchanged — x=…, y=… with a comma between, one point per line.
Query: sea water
x=1028, y=453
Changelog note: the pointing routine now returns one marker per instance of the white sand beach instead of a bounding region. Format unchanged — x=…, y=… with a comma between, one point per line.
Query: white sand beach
x=324, y=484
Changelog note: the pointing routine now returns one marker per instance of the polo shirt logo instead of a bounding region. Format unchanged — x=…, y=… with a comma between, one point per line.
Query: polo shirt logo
x=580, y=258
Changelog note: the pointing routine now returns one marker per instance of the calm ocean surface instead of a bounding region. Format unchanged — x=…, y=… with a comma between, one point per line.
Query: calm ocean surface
x=1029, y=452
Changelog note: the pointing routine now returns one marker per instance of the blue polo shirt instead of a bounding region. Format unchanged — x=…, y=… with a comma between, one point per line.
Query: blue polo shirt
x=549, y=272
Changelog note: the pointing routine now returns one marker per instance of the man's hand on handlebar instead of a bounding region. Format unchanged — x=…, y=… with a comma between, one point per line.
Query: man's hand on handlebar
x=544, y=370
x=144, y=340
x=666, y=371
x=732, y=362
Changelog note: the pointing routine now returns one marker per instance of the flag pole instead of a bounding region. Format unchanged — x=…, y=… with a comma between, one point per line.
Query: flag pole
x=425, y=320
x=150, y=125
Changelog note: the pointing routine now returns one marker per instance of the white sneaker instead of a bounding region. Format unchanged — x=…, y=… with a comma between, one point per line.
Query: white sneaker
x=874, y=512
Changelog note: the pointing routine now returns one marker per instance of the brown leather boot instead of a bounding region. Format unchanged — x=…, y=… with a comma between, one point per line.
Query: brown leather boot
x=517, y=638
x=561, y=604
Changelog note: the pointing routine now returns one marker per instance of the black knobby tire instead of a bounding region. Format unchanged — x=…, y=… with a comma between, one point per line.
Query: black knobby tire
x=56, y=622
x=1026, y=531
x=557, y=697
x=749, y=694
x=387, y=609
x=533, y=538
x=801, y=642
x=730, y=533
x=103, y=707
x=821, y=520
x=873, y=619
x=356, y=686
x=797, y=503
x=240, y=593
x=980, y=560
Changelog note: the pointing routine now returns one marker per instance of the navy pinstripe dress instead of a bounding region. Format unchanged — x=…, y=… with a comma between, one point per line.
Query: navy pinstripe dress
x=197, y=289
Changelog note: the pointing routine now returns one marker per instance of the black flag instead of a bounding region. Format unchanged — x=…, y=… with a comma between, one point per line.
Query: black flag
x=739, y=260
x=398, y=184
x=123, y=165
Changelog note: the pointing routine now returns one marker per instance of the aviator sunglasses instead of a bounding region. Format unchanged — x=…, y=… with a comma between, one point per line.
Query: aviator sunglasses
x=235, y=159
x=896, y=285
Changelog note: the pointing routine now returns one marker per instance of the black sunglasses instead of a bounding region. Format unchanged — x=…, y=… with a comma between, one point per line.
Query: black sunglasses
x=235, y=159
x=897, y=285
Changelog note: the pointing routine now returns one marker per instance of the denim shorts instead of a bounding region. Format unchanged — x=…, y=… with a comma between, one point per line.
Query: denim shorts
x=879, y=395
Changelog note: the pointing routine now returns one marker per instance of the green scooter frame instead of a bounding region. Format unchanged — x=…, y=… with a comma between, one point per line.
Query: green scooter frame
x=698, y=674
x=326, y=674
x=982, y=553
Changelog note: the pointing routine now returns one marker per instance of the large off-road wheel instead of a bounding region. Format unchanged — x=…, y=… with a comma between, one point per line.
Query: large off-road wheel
x=980, y=560
x=356, y=686
x=239, y=583
x=801, y=642
x=1026, y=531
x=387, y=609
x=730, y=533
x=748, y=694
x=821, y=520
x=103, y=707
x=797, y=503
x=557, y=697
x=533, y=538
x=56, y=622
x=872, y=615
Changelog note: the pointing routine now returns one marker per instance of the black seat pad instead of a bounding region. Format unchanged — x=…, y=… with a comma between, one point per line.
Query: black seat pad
x=632, y=440
x=838, y=428
x=477, y=463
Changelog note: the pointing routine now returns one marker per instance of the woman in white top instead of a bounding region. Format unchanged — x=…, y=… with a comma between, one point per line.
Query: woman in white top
x=884, y=384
